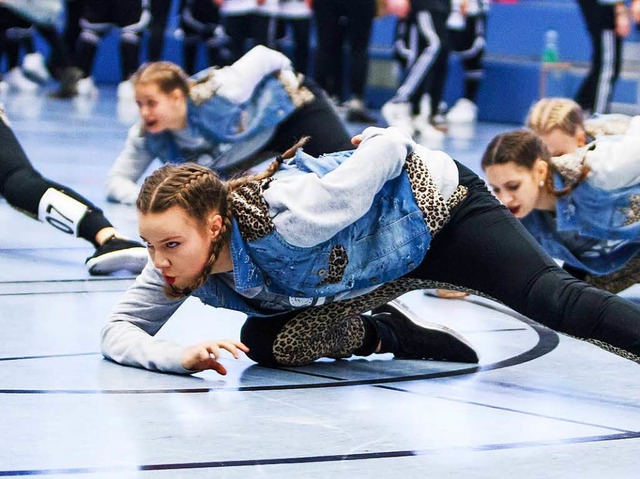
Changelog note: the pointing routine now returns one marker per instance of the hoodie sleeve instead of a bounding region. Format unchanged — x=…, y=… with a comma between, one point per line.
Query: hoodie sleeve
x=128, y=336
x=615, y=161
x=128, y=168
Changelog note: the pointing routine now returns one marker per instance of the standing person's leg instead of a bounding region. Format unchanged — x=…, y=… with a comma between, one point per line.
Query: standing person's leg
x=133, y=17
x=472, y=56
x=438, y=72
x=329, y=35
x=159, y=17
x=301, y=28
x=596, y=89
x=190, y=27
x=486, y=249
x=95, y=22
x=237, y=27
x=360, y=15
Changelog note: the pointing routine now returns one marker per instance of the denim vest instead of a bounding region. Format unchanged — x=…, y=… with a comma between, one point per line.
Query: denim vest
x=236, y=131
x=596, y=213
x=387, y=242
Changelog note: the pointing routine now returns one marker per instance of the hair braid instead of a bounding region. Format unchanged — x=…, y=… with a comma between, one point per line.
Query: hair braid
x=199, y=191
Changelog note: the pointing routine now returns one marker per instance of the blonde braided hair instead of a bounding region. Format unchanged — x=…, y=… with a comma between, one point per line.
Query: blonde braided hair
x=550, y=114
x=199, y=191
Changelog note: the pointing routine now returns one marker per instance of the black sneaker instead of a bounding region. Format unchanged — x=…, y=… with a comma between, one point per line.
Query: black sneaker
x=401, y=334
x=117, y=254
x=69, y=78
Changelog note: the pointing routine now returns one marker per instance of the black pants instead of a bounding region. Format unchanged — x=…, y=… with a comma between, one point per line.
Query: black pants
x=199, y=20
x=469, y=44
x=339, y=23
x=99, y=16
x=159, y=17
x=260, y=29
x=424, y=39
x=23, y=187
x=596, y=90
x=483, y=248
x=15, y=32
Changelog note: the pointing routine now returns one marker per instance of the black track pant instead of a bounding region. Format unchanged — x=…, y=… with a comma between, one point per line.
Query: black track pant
x=596, y=90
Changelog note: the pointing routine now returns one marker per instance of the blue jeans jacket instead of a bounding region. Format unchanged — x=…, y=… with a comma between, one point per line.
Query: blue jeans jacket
x=596, y=213
x=389, y=241
x=237, y=130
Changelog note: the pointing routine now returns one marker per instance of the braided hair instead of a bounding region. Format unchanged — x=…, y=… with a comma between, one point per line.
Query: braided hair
x=166, y=75
x=550, y=114
x=199, y=191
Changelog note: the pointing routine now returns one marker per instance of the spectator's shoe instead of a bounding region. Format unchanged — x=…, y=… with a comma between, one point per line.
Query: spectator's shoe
x=427, y=134
x=69, y=78
x=357, y=112
x=126, y=92
x=409, y=337
x=35, y=69
x=398, y=115
x=87, y=88
x=18, y=81
x=464, y=111
x=117, y=254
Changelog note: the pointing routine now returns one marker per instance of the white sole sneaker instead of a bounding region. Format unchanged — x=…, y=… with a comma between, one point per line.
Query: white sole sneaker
x=398, y=115
x=133, y=260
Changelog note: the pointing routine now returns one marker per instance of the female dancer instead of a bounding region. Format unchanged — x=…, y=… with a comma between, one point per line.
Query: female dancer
x=307, y=247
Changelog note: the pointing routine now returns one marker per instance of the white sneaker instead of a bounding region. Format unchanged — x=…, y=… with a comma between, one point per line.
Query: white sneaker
x=398, y=115
x=428, y=134
x=126, y=91
x=35, y=68
x=17, y=80
x=86, y=87
x=464, y=111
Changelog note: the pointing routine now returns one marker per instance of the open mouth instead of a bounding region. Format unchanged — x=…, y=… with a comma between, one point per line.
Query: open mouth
x=150, y=124
x=170, y=279
x=514, y=210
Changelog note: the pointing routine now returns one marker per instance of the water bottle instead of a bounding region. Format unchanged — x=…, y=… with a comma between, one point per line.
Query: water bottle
x=550, y=52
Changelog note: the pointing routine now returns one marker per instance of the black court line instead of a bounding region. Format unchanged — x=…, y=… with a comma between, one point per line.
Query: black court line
x=509, y=409
x=316, y=459
x=50, y=356
x=547, y=341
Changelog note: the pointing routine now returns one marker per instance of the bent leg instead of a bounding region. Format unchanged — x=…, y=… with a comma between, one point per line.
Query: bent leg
x=486, y=249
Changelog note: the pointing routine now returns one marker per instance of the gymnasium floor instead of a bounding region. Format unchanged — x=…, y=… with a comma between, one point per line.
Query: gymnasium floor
x=539, y=404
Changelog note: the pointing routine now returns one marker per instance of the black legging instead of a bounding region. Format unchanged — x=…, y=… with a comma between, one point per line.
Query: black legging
x=483, y=248
x=23, y=187
x=318, y=119
x=338, y=21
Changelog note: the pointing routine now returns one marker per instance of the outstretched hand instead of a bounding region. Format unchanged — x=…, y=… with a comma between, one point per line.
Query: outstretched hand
x=205, y=355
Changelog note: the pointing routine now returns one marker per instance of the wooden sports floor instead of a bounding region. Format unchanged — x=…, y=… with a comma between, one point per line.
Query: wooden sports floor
x=539, y=404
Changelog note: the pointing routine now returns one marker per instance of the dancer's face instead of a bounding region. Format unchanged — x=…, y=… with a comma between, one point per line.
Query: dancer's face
x=161, y=111
x=179, y=246
x=517, y=187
